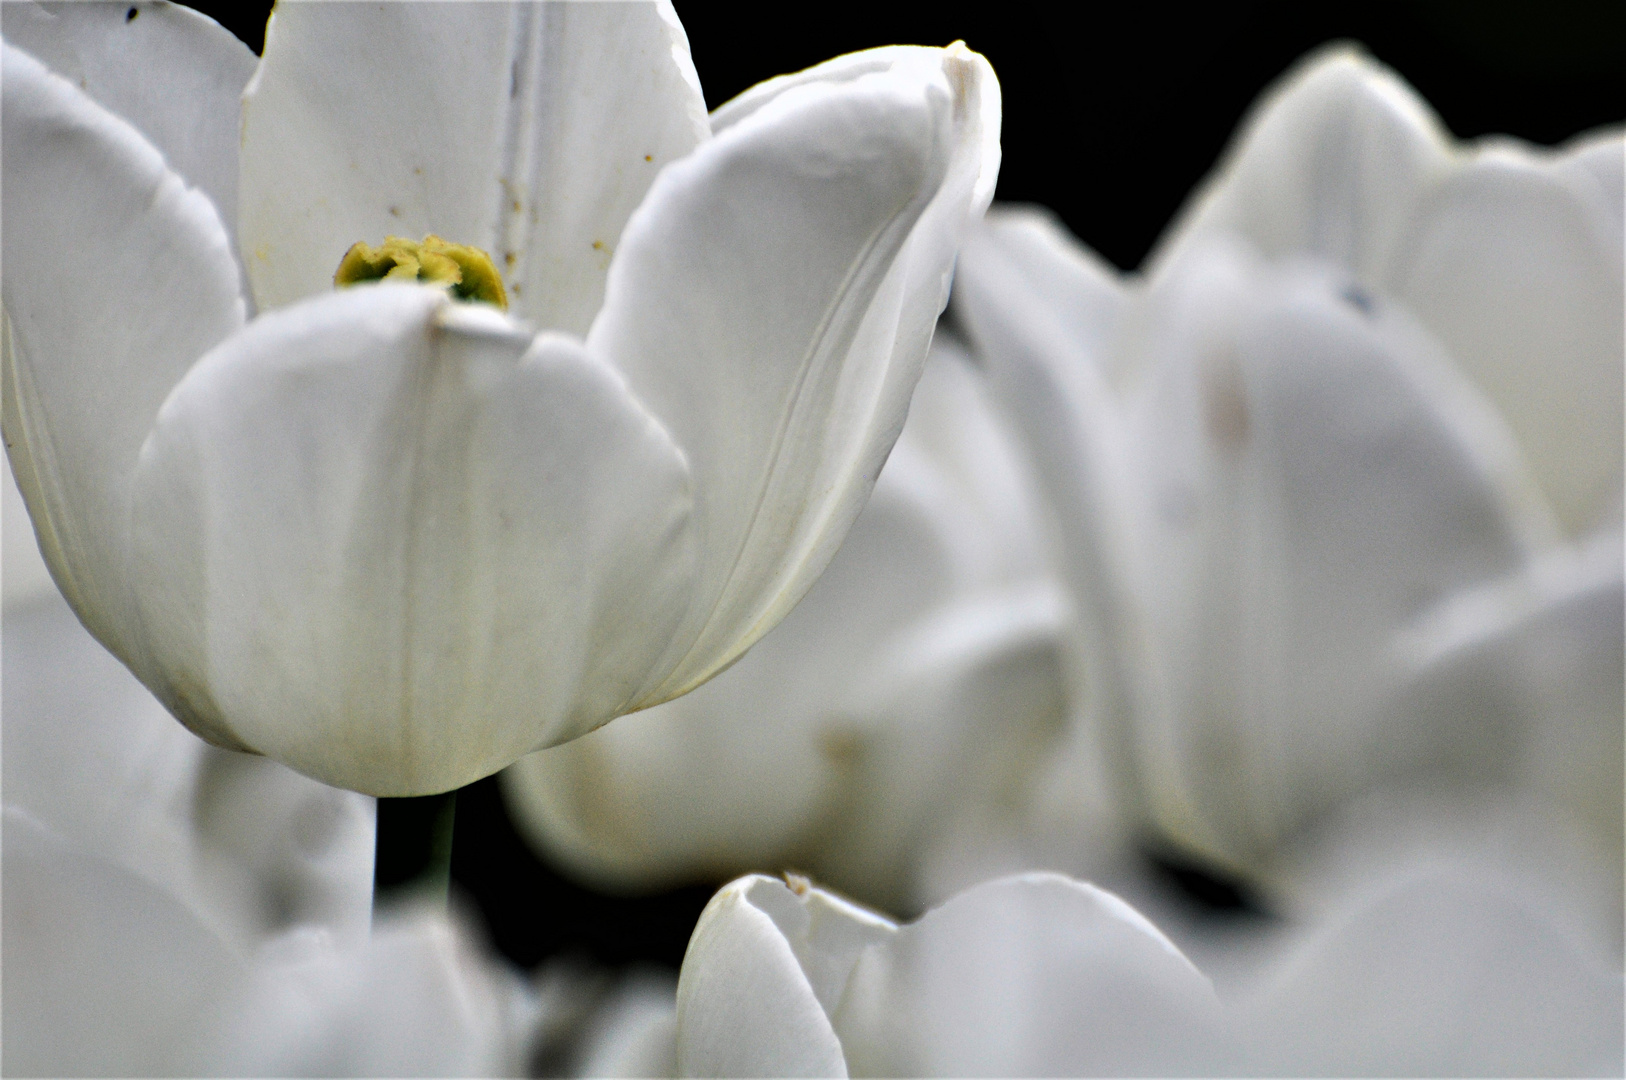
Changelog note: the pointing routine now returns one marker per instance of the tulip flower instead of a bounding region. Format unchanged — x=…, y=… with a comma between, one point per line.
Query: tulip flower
x=1041, y=975
x=394, y=536
x=907, y=704
x=1336, y=449
x=1033, y=975
x=176, y=909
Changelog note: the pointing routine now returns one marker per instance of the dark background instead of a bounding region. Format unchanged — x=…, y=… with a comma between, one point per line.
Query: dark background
x=1110, y=125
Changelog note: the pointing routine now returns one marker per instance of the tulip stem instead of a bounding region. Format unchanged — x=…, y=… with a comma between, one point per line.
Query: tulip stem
x=413, y=858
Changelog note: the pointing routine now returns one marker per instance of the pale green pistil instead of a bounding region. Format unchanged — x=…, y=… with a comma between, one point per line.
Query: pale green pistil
x=467, y=272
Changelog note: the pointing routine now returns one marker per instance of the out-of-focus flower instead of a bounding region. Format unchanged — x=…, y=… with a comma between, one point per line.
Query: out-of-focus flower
x=397, y=541
x=252, y=847
x=905, y=707
x=1034, y=975
x=173, y=909
x=1339, y=476
x=1042, y=975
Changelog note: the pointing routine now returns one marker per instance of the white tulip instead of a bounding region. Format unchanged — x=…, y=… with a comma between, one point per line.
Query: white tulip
x=907, y=701
x=1281, y=458
x=1033, y=975
x=1445, y=972
x=108, y=974
x=1510, y=255
x=251, y=847
x=395, y=540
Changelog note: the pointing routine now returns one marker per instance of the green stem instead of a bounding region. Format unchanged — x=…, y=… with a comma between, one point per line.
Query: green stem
x=413, y=859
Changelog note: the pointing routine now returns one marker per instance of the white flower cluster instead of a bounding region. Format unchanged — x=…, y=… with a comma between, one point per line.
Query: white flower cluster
x=1291, y=564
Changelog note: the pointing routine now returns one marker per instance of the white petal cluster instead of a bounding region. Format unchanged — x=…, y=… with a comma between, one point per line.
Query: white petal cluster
x=1290, y=564
x=397, y=541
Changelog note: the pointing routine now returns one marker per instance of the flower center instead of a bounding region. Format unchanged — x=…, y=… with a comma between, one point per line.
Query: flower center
x=467, y=272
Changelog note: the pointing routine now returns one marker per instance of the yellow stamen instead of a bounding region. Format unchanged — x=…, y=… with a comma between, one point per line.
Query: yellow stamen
x=467, y=272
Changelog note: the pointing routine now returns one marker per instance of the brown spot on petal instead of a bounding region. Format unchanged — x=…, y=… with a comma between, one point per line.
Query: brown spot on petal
x=1225, y=402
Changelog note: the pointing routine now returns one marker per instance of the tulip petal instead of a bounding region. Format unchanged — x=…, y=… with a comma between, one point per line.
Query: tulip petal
x=173, y=73
x=106, y=975
x=1329, y=164
x=250, y=846
x=773, y=299
x=1524, y=675
x=1032, y=975
x=1515, y=262
x=745, y=1006
x=1313, y=475
x=1440, y=976
x=1069, y=296
x=1049, y=375
x=391, y=546
x=118, y=278
x=416, y=998
x=529, y=130
x=23, y=573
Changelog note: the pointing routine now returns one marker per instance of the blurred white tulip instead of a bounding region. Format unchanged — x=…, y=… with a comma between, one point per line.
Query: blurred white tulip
x=902, y=712
x=1307, y=467
x=397, y=541
x=1435, y=973
x=174, y=909
x=107, y=974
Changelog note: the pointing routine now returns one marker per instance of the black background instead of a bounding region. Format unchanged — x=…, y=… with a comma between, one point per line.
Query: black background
x=1110, y=123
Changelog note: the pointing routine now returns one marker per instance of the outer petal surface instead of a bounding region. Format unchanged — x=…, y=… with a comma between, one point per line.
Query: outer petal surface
x=249, y=845
x=746, y=1004
x=1331, y=164
x=1525, y=676
x=396, y=548
x=1440, y=976
x=416, y=998
x=117, y=278
x=176, y=75
x=106, y=974
x=1033, y=975
x=772, y=301
x=1312, y=475
x=532, y=130
x=1515, y=261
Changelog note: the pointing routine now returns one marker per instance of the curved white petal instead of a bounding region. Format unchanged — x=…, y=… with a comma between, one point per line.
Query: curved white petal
x=1311, y=476
x=1523, y=677
x=1048, y=370
x=118, y=277
x=531, y=130
x=745, y=1004
x=23, y=573
x=1440, y=976
x=963, y=712
x=106, y=974
x=1032, y=975
x=390, y=541
x=416, y=998
x=175, y=74
x=772, y=301
x=1329, y=163
x=1515, y=262
x=1022, y=257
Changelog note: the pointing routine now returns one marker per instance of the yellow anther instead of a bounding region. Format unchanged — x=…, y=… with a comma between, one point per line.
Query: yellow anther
x=467, y=272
